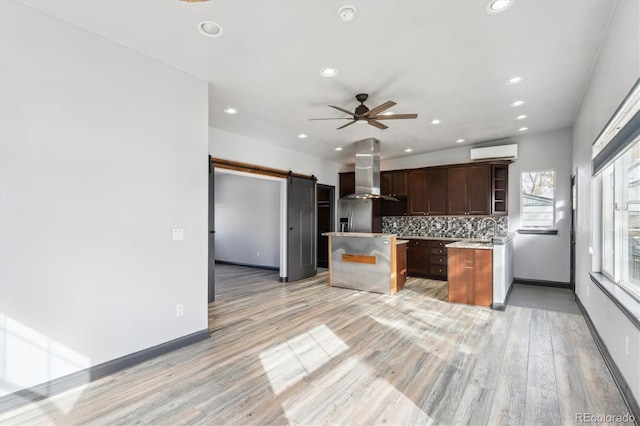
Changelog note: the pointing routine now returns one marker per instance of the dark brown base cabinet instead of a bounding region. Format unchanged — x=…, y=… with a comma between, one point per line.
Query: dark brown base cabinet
x=427, y=258
x=470, y=276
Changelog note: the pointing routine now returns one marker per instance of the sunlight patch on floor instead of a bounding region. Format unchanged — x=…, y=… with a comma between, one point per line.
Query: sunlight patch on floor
x=353, y=393
x=288, y=363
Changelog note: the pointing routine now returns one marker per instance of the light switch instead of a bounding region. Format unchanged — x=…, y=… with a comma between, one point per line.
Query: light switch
x=177, y=234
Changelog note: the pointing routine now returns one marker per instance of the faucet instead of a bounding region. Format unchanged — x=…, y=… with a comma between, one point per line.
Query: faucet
x=493, y=222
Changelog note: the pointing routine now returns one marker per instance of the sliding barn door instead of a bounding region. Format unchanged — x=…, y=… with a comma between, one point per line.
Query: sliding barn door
x=301, y=223
x=212, y=237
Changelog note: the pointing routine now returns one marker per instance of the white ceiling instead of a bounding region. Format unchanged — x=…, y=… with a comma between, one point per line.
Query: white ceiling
x=445, y=59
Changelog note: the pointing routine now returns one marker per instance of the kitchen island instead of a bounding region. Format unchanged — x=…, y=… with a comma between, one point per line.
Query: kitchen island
x=366, y=261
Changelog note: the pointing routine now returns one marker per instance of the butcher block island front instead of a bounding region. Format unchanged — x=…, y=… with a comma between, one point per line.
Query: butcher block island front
x=367, y=261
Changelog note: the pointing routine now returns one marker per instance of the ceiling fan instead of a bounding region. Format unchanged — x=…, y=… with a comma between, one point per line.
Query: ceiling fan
x=363, y=114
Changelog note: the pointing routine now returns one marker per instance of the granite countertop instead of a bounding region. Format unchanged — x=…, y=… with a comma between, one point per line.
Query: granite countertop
x=452, y=239
x=498, y=239
x=471, y=244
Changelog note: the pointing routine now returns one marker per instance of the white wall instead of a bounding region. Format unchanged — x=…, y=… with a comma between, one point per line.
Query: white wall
x=616, y=70
x=103, y=152
x=230, y=146
x=247, y=216
x=536, y=257
x=543, y=257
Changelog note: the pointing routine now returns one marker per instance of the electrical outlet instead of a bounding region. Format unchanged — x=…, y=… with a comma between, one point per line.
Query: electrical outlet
x=179, y=310
x=626, y=345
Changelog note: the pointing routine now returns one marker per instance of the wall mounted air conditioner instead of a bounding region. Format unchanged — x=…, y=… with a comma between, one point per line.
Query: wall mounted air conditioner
x=502, y=152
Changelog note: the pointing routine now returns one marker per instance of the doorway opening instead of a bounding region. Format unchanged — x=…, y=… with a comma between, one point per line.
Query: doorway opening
x=326, y=221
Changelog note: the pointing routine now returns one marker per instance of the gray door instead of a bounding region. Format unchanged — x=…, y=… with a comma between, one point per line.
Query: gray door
x=212, y=233
x=301, y=221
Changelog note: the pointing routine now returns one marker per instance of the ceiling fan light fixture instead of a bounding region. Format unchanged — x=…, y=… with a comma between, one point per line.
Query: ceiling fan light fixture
x=497, y=6
x=347, y=13
x=210, y=29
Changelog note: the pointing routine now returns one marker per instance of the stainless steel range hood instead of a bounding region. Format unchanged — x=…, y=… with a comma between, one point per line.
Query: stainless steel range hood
x=368, y=171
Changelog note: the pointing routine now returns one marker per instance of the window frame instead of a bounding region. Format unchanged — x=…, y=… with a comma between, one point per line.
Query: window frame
x=548, y=230
x=618, y=137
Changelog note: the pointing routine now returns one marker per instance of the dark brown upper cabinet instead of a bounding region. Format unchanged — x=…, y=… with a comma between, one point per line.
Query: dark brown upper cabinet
x=437, y=191
x=499, y=189
x=417, y=198
x=468, y=190
x=394, y=183
x=427, y=191
x=347, y=183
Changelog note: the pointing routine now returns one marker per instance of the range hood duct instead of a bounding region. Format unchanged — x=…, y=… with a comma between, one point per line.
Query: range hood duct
x=368, y=171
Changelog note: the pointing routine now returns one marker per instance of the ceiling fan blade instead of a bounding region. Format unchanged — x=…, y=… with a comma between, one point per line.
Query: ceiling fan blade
x=348, y=124
x=379, y=108
x=343, y=110
x=340, y=118
x=377, y=124
x=394, y=116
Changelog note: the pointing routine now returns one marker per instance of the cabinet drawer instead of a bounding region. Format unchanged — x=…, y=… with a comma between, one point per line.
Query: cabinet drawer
x=438, y=260
x=419, y=243
x=439, y=243
x=439, y=270
x=438, y=251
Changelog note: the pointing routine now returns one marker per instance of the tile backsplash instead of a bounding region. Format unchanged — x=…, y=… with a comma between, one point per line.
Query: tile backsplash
x=445, y=226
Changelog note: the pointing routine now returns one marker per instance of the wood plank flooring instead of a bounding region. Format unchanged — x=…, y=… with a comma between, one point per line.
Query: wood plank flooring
x=305, y=353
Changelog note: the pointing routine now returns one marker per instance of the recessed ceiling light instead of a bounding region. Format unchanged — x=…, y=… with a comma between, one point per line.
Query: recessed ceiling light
x=435, y=121
x=497, y=6
x=347, y=13
x=523, y=129
x=339, y=148
x=302, y=136
x=388, y=113
x=460, y=141
x=518, y=103
x=328, y=72
x=230, y=110
x=521, y=117
x=514, y=80
x=210, y=29
x=408, y=150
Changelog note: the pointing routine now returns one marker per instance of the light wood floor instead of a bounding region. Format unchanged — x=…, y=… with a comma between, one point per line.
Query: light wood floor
x=303, y=353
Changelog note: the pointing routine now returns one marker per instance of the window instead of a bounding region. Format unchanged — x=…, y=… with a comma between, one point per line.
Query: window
x=537, y=203
x=616, y=163
x=621, y=220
